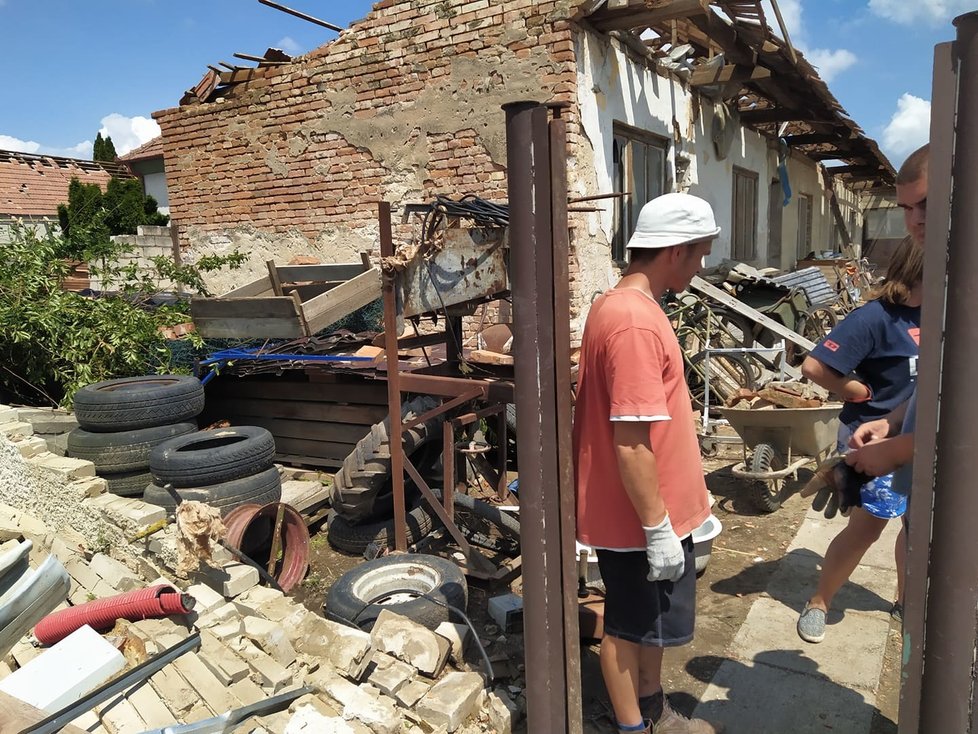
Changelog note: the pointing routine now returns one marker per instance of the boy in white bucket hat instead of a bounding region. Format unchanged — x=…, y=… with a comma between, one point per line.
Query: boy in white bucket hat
x=640, y=486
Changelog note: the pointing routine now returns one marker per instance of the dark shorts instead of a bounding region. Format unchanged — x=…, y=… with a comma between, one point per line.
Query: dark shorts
x=655, y=613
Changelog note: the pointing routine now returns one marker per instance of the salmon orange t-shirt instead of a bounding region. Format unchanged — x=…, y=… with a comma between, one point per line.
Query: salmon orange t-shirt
x=632, y=369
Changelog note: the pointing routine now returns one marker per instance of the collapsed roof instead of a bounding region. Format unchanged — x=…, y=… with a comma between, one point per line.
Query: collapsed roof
x=727, y=50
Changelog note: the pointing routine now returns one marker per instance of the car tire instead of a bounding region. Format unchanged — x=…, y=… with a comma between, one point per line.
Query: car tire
x=211, y=457
x=122, y=451
x=138, y=402
x=259, y=489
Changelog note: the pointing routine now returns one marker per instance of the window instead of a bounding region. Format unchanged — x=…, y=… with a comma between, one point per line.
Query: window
x=804, y=225
x=744, y=236
x=639, y=169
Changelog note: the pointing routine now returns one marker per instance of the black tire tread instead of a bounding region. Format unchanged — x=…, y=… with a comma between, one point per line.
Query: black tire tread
x=354, y=539
x=138, y=402
x=127, y=484
x=122, y=451
x=261, y=488
x=242, y=452
x=765, y=496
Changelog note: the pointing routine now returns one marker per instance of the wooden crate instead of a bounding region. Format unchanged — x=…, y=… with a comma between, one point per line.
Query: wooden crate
x=314, y=422
x=290, y=302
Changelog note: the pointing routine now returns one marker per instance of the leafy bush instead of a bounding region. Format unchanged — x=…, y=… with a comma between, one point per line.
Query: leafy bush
x=55, y=341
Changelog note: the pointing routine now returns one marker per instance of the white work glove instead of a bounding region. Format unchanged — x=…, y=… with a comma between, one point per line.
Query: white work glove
x=664, y=551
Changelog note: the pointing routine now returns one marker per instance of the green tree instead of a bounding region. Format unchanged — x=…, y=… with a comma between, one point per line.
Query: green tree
x=104, y=149
x=55, y=341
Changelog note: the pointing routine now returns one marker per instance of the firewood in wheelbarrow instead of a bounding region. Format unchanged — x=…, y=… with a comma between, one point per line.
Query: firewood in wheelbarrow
x=835, y=487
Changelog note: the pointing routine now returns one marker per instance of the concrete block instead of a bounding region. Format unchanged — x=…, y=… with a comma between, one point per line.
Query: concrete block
x=503, y=712
x=24, y=652
x=109, y=569
x=16, y=428
x=227, y=612
x=65, y=672
x=8, y=414
x=174, y=690
x=47, y=421
x=57, y=443
x=451, y=700
x=150, y=706
x=247, y=691
x=142, y=514
x=227, y=631
x=270, y=637
x=220, y=660
x=458, y=636
x=358, y=702
x=207, y=599
x=67, y=546
x=102, y=590
x=507, y=611
x=66, y=466
x=31, y=446
x=255, y=597
x=409, y=641
x=412, y=692
x=231, y=580
x=82, y=573
x=346, y=649
x=307, y=719
x=270, y=673
x=119, y=716
x=317, y=703
x=388, y=673
x=214, y=693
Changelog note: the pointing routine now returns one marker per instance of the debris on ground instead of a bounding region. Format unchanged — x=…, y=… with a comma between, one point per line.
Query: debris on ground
x=773, y=395
x=199, y=526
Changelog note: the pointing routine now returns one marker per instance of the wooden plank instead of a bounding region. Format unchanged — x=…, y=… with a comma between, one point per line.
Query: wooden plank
x=350, y=393
x=743, y=309
x=639, y=15
x=254, y=307
x=258, y=287
x=728, y=73
x=357, y=415
x=301, y=460
x=311, y=430
x=483, y=356
x=342, y=300
x=273, y=277
x=322, y=449
x=329, y=273
x=304, y=495
x=243, y=328
x=19, y=716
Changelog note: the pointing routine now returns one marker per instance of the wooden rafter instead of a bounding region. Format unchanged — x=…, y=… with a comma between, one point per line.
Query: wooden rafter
x=728, y=73
x=637, y=13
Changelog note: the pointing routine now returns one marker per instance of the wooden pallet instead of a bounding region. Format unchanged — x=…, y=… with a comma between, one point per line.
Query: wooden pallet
x=290, y=302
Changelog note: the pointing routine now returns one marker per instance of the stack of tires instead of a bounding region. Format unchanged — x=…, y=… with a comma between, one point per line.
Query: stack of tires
x=120, y=422
x=224, y=467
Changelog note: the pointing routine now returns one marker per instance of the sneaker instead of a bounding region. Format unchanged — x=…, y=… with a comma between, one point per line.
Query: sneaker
x=672, y=722
x=811, y=624
x=896, y=612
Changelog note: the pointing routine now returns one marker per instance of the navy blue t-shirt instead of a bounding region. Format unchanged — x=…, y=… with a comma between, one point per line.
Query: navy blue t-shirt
x=879, y=341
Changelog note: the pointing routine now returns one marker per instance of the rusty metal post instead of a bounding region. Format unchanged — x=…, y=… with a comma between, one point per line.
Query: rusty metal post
x=393, y=377
x=528, y=157
x=928, y=386
x=948, y=686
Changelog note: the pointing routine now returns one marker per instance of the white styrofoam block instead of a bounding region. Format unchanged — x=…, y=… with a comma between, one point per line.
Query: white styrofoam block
x=65, y=672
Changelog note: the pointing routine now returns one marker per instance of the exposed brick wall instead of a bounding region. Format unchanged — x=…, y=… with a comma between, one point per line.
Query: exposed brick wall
x=402, y=106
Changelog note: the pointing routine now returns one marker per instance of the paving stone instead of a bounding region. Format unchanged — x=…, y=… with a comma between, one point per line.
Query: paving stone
x=452, y=700
x=458, y=635
x=150, y=706
x=376, y=711
x=206, y=598
x=16, y=428
x=739, y=690
x=119, y=716
x=410, y=642
x=346, y=649
x=388, y=673
x=220, y=660
x=816, y=533
x=66, y=466
x=214, y=693
x=412, y=692
x=270, y=637
x=231, y=579
x=270, y=673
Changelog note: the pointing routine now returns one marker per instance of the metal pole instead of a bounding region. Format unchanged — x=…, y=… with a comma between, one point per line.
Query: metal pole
x=950, y=629
x=393, y=376
x=531, y=272
x=928, y=386
x=566, y=492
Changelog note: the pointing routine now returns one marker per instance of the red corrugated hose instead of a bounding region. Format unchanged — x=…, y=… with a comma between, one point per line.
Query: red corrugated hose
x=156, y=601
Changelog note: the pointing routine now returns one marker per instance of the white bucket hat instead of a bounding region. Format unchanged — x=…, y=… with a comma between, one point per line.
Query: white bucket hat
x=673, y=219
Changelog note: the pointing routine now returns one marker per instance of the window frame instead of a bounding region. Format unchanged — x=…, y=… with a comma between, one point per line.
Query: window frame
x=804, y=234
x=738, y=227
x=626, y=209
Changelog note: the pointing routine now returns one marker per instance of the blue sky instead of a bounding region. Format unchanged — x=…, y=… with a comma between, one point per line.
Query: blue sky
x=72, y=68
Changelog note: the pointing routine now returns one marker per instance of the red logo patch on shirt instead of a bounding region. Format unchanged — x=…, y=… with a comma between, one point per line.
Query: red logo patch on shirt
x=830, y=345
x=915, y=334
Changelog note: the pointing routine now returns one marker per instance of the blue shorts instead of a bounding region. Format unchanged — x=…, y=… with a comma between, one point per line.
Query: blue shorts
x=877, y=496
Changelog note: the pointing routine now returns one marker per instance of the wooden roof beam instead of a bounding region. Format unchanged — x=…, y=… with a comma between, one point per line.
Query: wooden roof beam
x=771, y=114
x=735, y=50
x=728, y=73
x=855, y=170
x=297, y=14
x=817, y=138
x=638, y=15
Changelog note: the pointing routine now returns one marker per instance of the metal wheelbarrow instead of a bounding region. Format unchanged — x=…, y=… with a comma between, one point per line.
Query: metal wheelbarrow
x=777, y=443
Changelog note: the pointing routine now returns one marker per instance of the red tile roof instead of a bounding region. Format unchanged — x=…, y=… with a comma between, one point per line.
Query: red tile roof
x=151, y=149
x=34, y=185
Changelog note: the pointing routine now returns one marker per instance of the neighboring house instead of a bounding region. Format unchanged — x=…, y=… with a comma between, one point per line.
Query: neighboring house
x=289, y=158
x=146, y=163
x=32, y=186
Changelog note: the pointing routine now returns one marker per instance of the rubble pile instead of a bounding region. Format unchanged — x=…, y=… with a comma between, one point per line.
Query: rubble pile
x=255, y=642
x=778, y=395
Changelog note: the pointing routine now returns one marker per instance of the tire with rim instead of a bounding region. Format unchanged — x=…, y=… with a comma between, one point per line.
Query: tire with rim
x=122, y=451
x=766, y=495
x=393, y=582
x=259, y=489
x=363, y=488
x=354, y=539
x=211, y=457
x=138, y=402
x=486, y=526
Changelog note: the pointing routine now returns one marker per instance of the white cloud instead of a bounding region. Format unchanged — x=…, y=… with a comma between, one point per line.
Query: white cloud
x=82, y=150
x=21, y=146
x=908, y=12
x=830, y=63
x=128, y=132
x=287, y=44
x=908, y=129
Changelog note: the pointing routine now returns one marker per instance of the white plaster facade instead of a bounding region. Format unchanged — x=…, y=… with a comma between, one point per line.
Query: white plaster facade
x=616, y=86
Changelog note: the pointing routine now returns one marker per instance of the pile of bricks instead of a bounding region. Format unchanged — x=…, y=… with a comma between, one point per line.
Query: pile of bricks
x=255, y=642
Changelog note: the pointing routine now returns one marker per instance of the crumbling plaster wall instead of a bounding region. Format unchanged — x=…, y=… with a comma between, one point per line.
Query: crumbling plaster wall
x=402, y=106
